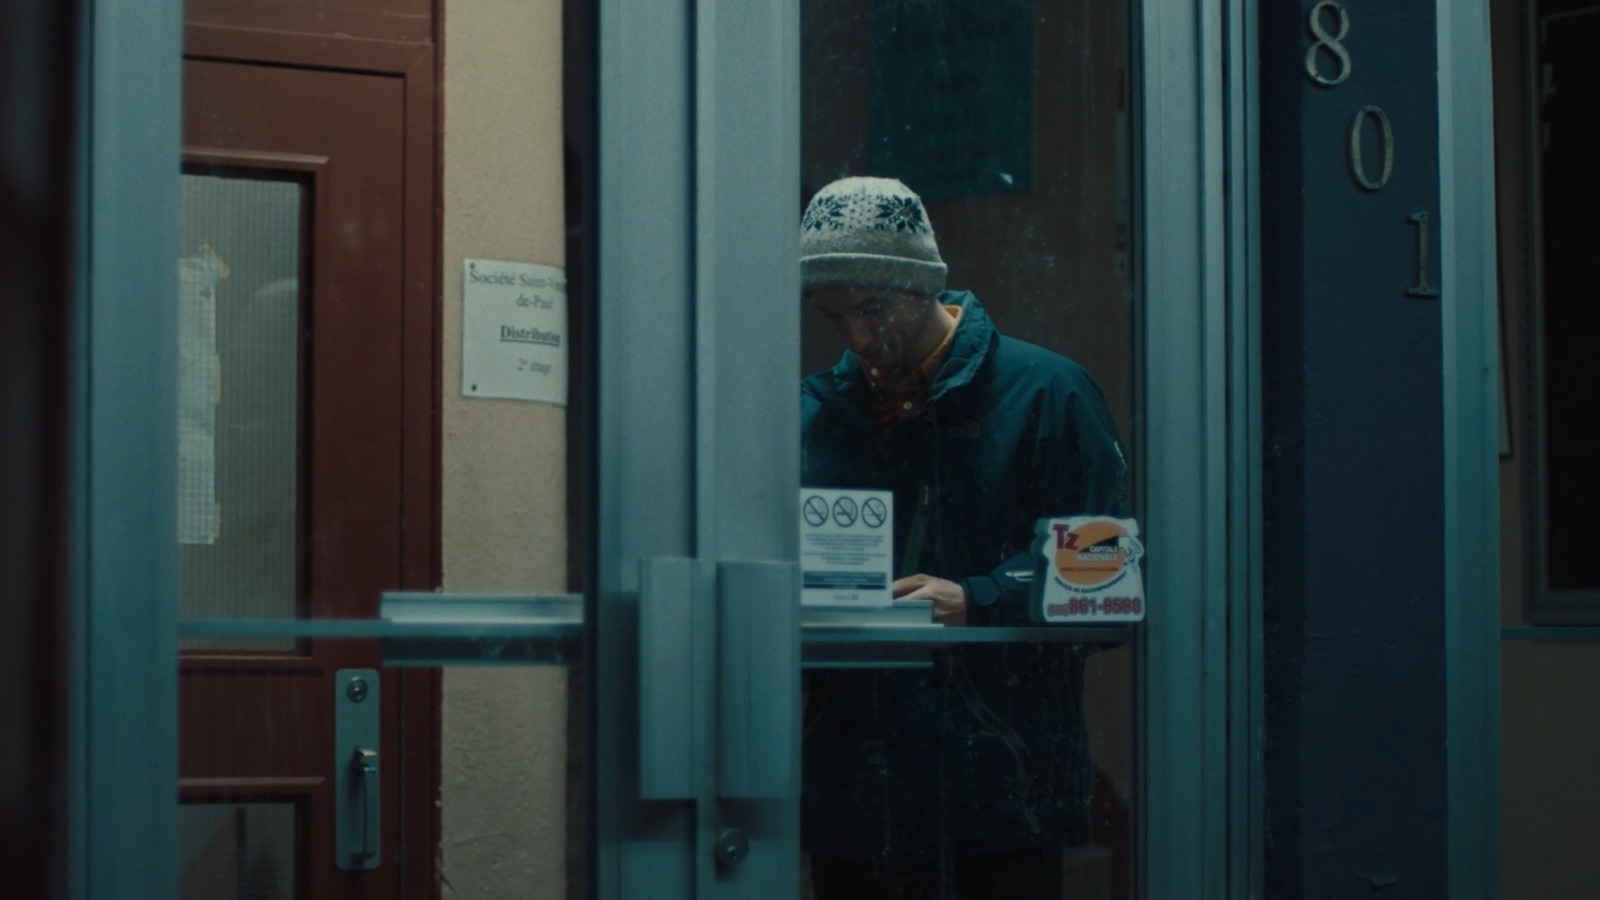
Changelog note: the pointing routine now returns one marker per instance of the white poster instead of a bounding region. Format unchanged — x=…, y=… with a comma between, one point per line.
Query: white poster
x=846, y=545
x=514, y=331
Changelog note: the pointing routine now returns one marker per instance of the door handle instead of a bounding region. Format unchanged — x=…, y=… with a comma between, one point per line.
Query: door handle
x=364, y=770
x=676, y=630
x=357, y=776
x=758, y=680
x=719, y=667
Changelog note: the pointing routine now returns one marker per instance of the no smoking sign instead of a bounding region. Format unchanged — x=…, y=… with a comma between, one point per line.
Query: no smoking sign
x=846, y=543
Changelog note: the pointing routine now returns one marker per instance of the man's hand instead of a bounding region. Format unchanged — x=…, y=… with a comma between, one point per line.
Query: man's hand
x=949, y=599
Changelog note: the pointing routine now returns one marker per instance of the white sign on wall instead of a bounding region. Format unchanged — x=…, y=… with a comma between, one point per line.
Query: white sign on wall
x=514, y=331
x=846, y=538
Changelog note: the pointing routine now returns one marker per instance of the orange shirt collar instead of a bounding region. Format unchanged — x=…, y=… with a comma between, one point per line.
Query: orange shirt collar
x=930, y=366
x=892, y=405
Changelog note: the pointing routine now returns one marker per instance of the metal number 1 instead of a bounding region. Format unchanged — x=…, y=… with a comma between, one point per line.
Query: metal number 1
x=1423, y=289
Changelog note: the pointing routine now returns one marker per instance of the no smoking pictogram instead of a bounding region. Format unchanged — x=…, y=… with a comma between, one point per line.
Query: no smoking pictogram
x=844, y=512
x=873, y=512
x=815, y=511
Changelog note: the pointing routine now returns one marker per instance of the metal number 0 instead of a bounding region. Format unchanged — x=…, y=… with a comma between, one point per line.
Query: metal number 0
x=1330, y=43
x=1358, y=166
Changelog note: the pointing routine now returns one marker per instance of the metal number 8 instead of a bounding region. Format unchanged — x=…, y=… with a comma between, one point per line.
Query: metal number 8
x=1330, y=43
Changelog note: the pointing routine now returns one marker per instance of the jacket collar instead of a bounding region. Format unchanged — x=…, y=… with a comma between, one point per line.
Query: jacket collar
x=975, y=337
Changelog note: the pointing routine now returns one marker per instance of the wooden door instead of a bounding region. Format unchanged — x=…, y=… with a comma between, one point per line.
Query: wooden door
x=292, y=470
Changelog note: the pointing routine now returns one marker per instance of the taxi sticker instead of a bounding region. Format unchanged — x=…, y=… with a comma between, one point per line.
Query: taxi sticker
x=1087, y=570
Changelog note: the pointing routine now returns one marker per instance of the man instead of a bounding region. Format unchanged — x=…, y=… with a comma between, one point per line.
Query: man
x=967, y=779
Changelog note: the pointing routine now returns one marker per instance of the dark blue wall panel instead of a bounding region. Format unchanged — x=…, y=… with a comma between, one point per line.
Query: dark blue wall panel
x=1354, y=620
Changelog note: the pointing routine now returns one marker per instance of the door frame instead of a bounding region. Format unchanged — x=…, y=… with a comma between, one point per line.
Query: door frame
x=1470, y=324
x=126, y=726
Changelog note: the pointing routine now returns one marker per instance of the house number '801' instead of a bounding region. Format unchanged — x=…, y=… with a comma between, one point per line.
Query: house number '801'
x=1331, y=43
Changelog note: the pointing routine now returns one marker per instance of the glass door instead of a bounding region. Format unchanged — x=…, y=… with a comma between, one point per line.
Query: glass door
x=927, y=292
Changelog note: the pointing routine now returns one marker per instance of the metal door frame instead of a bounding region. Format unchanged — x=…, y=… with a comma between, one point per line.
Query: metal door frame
x=125, y=459
x=1471, y=349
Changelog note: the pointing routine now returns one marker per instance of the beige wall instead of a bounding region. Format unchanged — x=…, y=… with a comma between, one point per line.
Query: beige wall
x=504, y=502
x=1550, y=722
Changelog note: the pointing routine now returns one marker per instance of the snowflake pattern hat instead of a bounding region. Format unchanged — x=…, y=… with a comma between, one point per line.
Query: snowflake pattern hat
x=869, y=232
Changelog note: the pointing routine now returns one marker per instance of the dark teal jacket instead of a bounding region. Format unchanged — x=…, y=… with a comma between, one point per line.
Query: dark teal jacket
x=988, y=749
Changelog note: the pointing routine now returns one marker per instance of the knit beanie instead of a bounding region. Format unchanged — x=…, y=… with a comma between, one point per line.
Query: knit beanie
x=869, y=232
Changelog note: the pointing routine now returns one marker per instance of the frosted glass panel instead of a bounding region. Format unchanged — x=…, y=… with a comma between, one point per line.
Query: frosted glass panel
x=239, y=389
x=229, y=851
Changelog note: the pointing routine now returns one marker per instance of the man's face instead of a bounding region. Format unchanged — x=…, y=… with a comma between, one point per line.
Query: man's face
x=887, y=329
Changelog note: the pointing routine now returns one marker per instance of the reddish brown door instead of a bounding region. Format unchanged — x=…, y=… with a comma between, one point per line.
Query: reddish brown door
x=291, y=459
